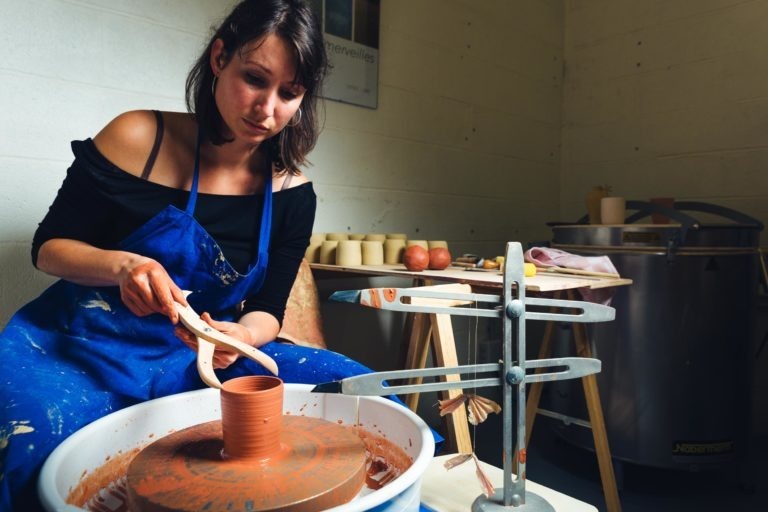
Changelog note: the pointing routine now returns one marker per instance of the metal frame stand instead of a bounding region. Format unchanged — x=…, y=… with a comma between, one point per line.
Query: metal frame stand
x=511, y=373
x=513, y=492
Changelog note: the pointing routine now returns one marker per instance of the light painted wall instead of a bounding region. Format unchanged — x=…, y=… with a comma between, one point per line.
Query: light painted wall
x=666, y=98
x=463, y=146
x=464, y=143
x=69, y=67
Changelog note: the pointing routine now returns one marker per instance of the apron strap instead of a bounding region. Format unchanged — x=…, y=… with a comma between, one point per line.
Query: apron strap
x=266, y=213
x=195, y=177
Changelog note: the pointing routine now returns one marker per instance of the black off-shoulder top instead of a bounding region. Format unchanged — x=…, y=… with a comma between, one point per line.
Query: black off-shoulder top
x=101, y=204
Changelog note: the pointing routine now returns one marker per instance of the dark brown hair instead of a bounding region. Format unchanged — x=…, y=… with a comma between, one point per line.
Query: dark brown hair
x=252, y=20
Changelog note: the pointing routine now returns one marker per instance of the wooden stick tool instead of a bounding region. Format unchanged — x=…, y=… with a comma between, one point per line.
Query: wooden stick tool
x=208, y=338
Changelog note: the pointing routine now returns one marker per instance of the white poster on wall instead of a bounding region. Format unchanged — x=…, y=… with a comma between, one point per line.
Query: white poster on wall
x=352, y=43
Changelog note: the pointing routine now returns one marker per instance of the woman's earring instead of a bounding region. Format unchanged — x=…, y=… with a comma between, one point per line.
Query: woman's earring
x=213, y=85
x=295, y=122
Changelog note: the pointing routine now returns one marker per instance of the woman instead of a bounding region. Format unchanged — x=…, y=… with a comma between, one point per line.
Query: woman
x=157, y=203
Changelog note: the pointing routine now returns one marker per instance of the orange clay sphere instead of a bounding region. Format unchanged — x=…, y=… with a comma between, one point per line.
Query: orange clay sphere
x=416, y=258
x=439, y=258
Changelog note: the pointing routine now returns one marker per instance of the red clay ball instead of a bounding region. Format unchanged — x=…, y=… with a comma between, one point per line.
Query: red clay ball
x=416, y=258
x=439, y=258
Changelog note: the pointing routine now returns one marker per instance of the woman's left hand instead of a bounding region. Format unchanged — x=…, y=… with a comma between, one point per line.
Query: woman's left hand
x=222, y=357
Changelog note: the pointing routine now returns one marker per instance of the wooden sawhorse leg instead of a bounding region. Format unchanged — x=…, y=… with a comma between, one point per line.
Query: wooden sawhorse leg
x=418, y=349
x=436, y=331
x=594, y=408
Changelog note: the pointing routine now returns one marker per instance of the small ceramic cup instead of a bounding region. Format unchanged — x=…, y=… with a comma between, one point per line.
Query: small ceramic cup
x=373, y=252
x=397, y=236
x=422, y=243
x=312, y=254
x=357, y=236
x=336, y=236
x=437, y=243
x=375, y=237
x=349, y=253
x=328, y=252
x=613, y=210
x=393, y=251
x=658, y=218
x=317, y=238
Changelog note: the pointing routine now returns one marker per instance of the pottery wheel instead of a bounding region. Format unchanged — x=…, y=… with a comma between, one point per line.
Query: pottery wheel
x=319, y=465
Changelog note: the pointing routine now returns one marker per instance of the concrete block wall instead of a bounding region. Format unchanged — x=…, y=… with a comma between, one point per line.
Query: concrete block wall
x=666, y=99
x=464, y=143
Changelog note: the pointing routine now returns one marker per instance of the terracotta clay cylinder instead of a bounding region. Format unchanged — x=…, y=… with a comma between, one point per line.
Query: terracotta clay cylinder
x=376, y=237
x=393, y=251
x=251, y=417
x=357, y=236
x=397, y=236
x=337, y=236
x=349, y=253
x=658, y=218
x=373, y=252
x=328, y=252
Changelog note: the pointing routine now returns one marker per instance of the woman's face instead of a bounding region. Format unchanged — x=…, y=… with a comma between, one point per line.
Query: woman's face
x=255, y=90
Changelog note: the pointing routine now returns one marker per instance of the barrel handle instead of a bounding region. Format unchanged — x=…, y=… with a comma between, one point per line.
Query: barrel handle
x=645, y=208
x=722, y=211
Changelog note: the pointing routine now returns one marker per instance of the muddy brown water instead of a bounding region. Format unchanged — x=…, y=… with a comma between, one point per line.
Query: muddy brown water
x=104, y=489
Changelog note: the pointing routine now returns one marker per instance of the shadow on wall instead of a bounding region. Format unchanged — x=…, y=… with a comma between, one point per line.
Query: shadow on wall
x=20, y=282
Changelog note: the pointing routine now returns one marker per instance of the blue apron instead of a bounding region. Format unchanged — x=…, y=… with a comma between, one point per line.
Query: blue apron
x=76, y=353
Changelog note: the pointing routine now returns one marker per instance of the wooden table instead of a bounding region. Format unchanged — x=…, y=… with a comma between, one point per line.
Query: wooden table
x=425, y=331
x=478, y=279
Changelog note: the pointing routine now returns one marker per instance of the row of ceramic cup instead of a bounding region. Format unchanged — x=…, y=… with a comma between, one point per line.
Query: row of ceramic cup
x=372, y=249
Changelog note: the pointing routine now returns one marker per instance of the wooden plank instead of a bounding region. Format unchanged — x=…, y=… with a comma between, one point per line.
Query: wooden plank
x=447, y=288
x=478, y=279
x=445, y=355
x=418, y=349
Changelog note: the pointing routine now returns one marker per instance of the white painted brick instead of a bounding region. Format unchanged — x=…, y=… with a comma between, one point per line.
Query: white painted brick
x=47, y=113
x=510, y=135
x=178, y=14
x=29, y=187
x=23, y=283
x=395, y=164
x=408, y=115
x=426, y=215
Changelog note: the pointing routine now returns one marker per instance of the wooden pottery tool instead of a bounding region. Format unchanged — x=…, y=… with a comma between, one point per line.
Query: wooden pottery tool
x=208, y=338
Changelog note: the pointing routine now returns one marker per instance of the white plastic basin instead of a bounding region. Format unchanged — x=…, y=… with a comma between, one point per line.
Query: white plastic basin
x=90, y=447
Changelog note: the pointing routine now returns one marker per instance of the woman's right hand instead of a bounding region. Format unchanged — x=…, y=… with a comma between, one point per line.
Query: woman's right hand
x=146, y=288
